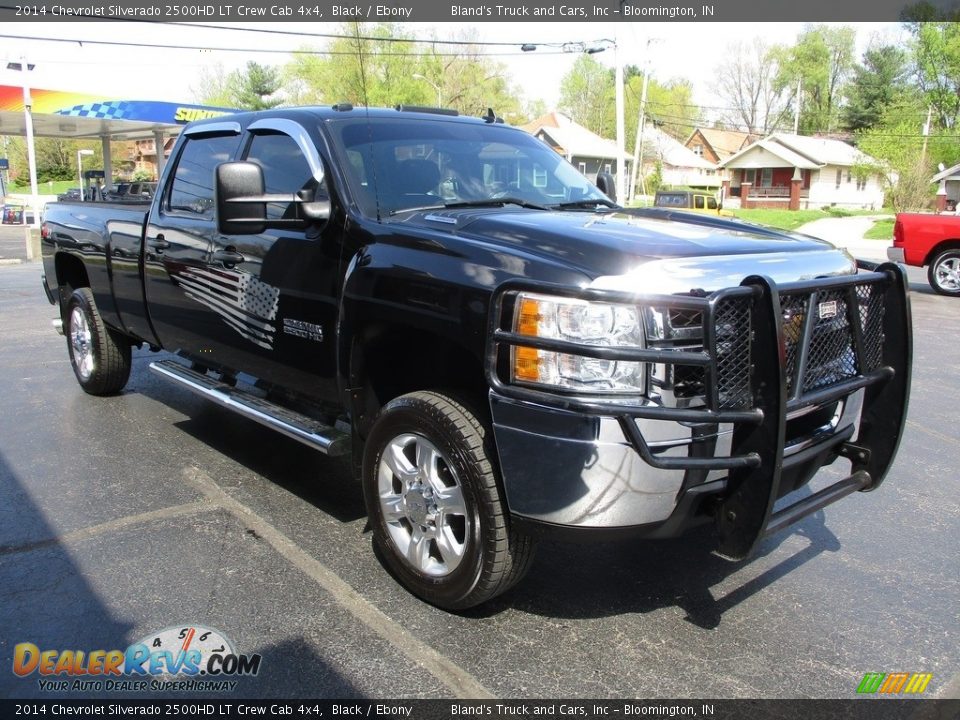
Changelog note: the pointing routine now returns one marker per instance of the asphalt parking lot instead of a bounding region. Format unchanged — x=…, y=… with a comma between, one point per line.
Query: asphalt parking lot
x=123, y=516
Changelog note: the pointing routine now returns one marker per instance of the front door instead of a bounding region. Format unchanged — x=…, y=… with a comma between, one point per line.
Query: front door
x=275, y=293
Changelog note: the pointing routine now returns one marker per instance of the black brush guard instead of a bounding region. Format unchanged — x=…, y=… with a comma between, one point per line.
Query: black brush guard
x=768, y=350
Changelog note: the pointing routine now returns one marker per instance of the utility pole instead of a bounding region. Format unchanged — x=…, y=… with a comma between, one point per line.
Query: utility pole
x=621, y=132
x=641, y=122
x=926, y=134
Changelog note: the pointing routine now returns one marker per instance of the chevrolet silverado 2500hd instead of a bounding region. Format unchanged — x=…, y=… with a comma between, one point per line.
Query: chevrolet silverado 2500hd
x=503, y=350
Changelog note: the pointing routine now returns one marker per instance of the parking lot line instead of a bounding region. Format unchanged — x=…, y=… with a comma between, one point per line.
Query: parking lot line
x=460, y=682
x=86, y=533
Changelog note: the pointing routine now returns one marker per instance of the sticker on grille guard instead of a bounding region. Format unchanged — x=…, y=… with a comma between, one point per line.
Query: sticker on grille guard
x=828, y=309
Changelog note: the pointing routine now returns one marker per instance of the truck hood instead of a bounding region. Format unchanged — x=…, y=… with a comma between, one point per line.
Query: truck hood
x=657, y=255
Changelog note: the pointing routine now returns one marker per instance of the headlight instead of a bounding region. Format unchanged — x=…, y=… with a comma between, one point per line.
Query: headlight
x=583, y=323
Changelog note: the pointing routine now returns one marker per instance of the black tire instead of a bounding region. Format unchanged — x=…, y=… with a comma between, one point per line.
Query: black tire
x=943, y=273
x=100, y=357
x=468, y=552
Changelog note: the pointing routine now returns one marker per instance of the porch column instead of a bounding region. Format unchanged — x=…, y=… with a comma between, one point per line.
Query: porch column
x=745, y=188
x=795, y=182
x=724, y=190
x=942, y=196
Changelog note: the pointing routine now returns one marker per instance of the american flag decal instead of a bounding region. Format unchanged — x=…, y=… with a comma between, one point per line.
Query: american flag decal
x=240, y=299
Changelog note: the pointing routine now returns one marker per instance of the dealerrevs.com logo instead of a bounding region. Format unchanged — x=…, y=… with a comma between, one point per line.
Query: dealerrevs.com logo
x=182, y=657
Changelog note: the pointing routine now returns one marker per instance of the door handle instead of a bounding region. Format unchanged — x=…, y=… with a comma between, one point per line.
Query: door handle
x=228, y=256
x=159, y=243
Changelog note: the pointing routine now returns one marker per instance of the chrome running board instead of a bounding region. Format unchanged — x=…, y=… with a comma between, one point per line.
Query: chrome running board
x=310, y=432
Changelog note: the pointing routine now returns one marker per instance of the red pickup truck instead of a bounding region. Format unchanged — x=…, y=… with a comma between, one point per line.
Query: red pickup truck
x=931, y=240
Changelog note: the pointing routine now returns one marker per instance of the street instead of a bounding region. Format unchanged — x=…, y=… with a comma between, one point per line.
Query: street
x=122, y=516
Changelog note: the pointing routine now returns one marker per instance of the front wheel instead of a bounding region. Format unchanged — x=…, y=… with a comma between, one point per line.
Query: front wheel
x=432, y=495
x=100, y=356
x=944, y=273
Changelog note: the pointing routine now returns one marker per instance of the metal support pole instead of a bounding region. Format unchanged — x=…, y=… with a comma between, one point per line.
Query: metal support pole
x=31, y=147
x=158, y=141
x=107, y=162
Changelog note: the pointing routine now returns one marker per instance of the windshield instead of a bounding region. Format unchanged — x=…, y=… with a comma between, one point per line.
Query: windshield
x=398, y=164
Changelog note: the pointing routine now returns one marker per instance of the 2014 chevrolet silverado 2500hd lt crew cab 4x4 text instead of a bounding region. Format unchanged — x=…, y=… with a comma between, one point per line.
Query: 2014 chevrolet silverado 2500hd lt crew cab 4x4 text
x=503, y=350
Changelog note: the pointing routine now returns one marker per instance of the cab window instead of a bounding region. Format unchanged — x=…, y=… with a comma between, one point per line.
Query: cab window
x=711, y=203
x=285, y=171
x=698, y=202
x=191, y=191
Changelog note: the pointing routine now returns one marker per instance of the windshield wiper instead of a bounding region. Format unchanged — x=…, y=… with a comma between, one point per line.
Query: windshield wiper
x=588, y=204
x=487, y=202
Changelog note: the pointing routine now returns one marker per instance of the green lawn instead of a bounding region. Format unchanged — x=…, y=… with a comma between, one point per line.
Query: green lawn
x=46, y=188
x=782, y=219
x=881, y=230
x=792, y=219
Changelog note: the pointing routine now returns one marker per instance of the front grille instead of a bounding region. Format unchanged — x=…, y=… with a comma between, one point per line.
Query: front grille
x=832, y=353
x=733, y=353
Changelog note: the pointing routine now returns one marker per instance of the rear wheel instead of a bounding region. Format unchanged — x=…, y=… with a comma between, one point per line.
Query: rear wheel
x=100, y=357
x=437, y=514
x=944, y=273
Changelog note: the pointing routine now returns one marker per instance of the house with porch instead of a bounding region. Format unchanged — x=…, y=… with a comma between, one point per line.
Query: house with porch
x=799, y=172
x=948, y=189
x=585, y=150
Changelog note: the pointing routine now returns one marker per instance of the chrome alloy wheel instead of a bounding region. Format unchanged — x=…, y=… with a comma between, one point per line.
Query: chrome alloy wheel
x=422, y=505
x=81, y=343
x=947, y=273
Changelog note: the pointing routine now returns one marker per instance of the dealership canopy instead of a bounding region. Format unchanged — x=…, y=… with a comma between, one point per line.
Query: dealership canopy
x=66, y=114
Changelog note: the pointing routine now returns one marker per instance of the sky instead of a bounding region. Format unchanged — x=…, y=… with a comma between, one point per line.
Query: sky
x=683, y=50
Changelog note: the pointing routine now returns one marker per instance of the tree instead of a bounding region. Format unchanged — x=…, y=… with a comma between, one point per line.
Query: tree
x=213, y=87
x=254, y=88
x=745, y=82
x=381, y=65
x=936, y=54
x=588, y=96
x=820, y=61
x=896, y=142
x=877, y=83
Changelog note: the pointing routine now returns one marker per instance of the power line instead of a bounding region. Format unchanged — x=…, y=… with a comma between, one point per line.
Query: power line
x=118, y=43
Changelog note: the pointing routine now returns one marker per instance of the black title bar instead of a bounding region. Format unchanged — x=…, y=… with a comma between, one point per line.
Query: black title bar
x=633, y=11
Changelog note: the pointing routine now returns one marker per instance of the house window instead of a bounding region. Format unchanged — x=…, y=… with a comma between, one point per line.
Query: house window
x=766, y=177
x=862, y=184
x=839, y=176
x=583, y=168
x=849, y=175
x=698, y=150
x=539, y=177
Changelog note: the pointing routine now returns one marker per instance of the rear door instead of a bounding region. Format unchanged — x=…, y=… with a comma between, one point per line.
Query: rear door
x=179, y=240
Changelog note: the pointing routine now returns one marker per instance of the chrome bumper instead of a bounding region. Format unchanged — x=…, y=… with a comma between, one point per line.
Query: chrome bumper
x=896, y=254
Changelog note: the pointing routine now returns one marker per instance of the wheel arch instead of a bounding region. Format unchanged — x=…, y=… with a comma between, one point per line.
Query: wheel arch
x=381, y=369
x=71, y=275
x=951, y=244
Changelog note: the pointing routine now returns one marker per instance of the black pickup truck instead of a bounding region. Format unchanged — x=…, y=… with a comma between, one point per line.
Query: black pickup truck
x=504, y=351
